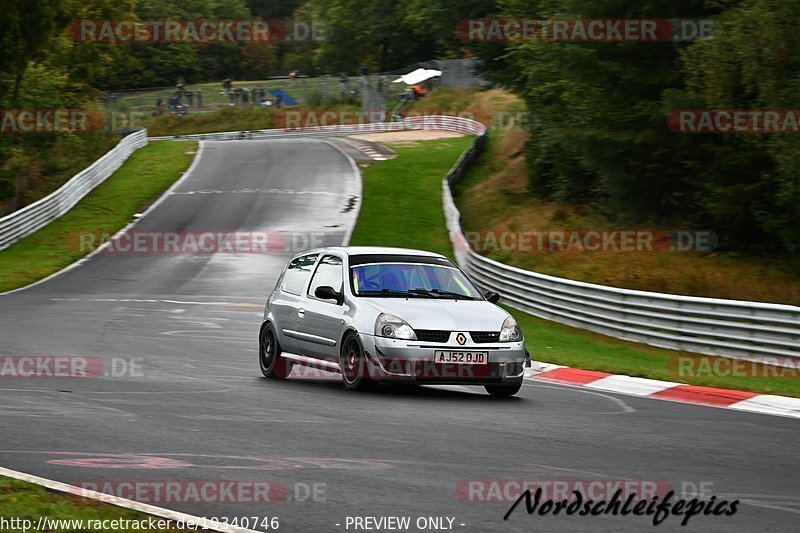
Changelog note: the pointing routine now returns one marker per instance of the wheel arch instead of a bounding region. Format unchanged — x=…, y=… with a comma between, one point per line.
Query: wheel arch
x=349, y=330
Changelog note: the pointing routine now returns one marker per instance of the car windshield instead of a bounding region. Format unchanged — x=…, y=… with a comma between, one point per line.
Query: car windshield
x=411, y=280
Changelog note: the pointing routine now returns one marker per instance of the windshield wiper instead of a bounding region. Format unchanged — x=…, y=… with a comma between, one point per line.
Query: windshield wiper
x=424, y=293
x=439, y=293
x=391, y=292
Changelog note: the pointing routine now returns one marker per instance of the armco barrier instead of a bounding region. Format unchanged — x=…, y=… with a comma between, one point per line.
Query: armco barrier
x=30, y=218
x=430, y=122
x=730, y=328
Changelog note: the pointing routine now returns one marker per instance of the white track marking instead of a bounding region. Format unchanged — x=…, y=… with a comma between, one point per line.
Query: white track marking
x=624, y=406
x=174, y=302
x=358, y=194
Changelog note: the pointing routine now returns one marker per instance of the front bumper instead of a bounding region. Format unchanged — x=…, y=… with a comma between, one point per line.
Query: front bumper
x=413, y=361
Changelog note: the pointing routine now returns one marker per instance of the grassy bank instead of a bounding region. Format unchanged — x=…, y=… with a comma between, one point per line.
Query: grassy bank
x=26, y=501
x=402, y=197
x=251, y=118
x=135, y=185
x=227, y=119
x=402, y=207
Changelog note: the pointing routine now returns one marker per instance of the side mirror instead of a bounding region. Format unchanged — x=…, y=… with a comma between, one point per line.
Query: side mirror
x=492, y=297
x=327, y=292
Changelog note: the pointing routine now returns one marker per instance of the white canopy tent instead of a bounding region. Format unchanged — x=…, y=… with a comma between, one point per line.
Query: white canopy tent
x=418, y=76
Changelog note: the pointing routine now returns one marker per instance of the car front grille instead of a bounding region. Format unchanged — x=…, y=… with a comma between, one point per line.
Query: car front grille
x=436, y=335
x=484, y=337
x=432, y=335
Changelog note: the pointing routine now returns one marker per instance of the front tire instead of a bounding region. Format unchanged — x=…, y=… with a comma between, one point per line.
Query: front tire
x=272, y=364
x=353, y=364
x=505, y=390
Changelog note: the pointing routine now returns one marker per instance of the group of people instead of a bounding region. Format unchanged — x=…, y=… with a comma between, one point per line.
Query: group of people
x=245, y=96
x=179, y=101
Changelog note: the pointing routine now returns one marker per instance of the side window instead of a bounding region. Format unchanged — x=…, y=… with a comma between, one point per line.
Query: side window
x=329, y=272
x=297, y=274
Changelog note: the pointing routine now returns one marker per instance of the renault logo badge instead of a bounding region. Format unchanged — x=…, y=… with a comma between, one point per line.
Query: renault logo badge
x=461, y=339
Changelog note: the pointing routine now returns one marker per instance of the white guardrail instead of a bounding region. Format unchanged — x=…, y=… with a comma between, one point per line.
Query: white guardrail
x=431, y=122
x=730, y=328
x=35, y=216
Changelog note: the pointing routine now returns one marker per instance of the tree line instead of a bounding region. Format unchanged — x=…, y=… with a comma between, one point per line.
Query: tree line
x=599, y=133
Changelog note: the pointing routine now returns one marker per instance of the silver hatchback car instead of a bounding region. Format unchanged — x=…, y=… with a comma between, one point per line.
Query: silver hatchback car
x=389, y=315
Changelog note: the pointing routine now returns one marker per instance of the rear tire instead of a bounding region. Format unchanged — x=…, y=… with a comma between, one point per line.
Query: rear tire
x=272, y=364
x=505, y=390
x=353, y=364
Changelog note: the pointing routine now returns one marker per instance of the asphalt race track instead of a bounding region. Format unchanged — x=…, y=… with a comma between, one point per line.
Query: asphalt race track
x=198, y=409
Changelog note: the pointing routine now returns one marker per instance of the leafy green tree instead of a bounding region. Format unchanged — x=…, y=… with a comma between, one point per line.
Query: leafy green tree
x=597, y=111
x=599, y=132
x=25, y=30
x=440, y=18
x=370, y=33
x=749, y=184
x=272, y=10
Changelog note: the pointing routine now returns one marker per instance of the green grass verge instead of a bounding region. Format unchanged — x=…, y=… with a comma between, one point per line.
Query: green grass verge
x=146, y=174
x=26, y=501
x=402, y=203
x=402, y=206
x=248, y=118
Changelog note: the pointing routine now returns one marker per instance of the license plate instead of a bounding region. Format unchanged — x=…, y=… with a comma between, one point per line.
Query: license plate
x=461, y=358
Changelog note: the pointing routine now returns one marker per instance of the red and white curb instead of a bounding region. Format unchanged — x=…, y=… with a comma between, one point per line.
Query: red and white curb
x=189, y=522
x=667, y=390
x=366, y=149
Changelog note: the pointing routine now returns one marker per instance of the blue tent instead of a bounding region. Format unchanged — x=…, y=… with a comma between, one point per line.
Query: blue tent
x=285, y=98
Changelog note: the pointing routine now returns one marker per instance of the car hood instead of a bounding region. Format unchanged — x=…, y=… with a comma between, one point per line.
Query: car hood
x=450, y=315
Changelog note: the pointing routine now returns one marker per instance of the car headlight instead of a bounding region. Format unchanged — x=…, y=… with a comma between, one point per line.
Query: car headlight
x=510, y=331
x=393, y=327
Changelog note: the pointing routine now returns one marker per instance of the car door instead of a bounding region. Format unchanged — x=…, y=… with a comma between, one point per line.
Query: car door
x=288, y=302
x=323, y=321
